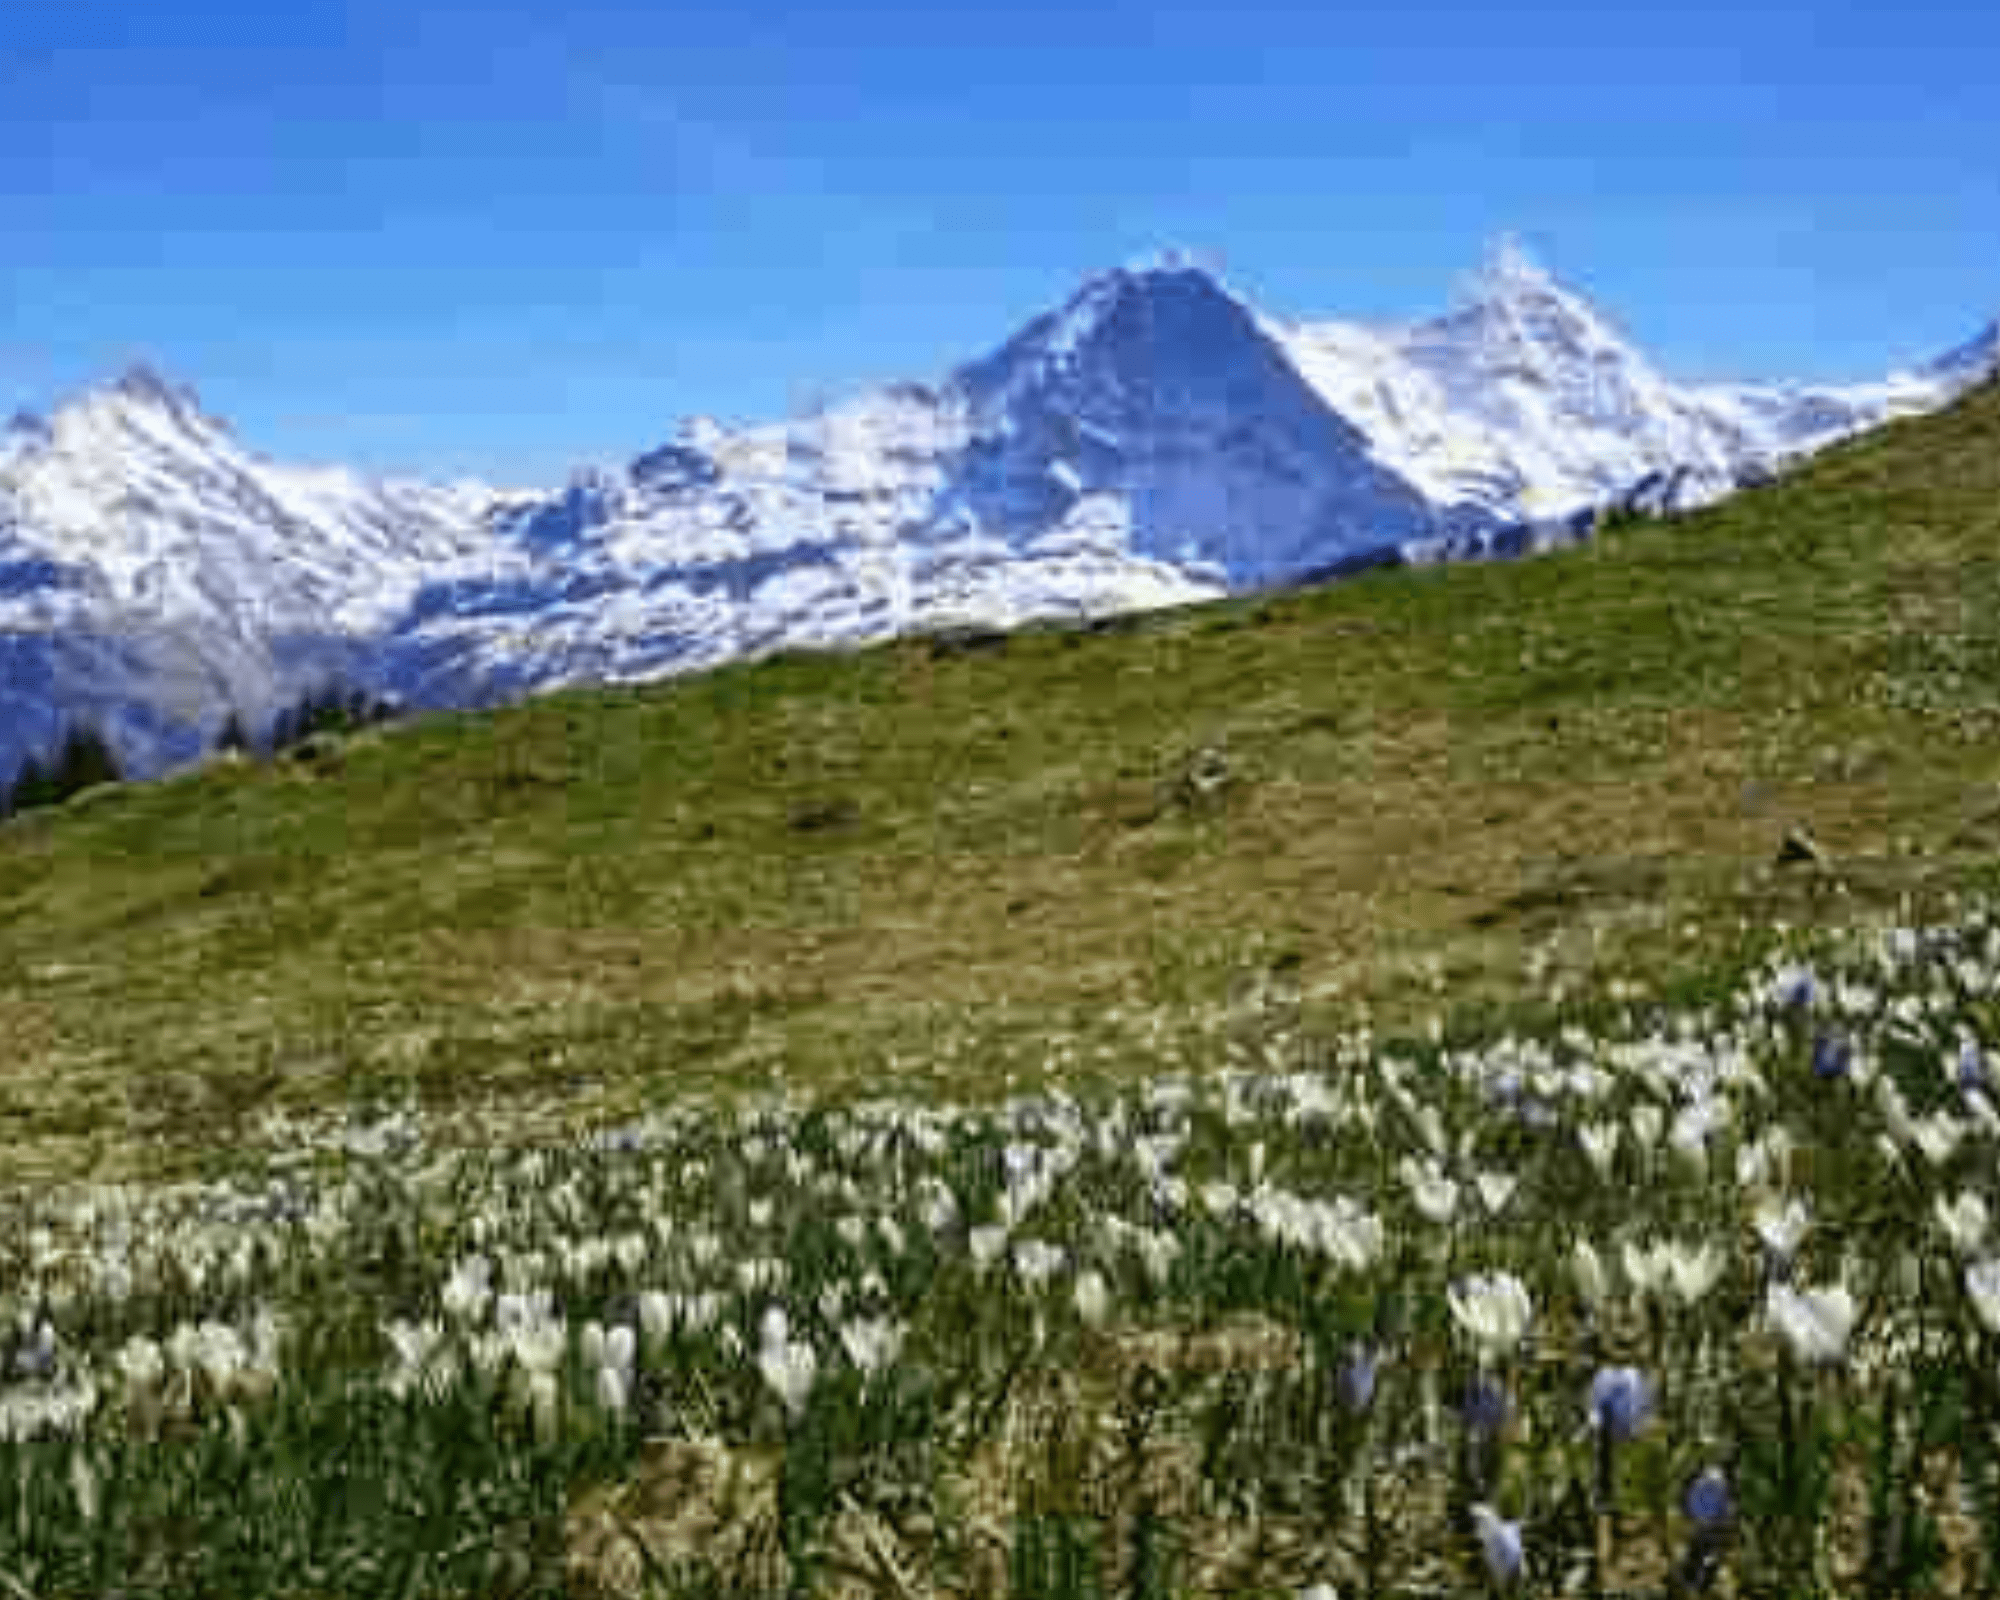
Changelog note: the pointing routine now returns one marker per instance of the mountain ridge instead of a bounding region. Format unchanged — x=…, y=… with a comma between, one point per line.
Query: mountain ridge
x=1155, y=439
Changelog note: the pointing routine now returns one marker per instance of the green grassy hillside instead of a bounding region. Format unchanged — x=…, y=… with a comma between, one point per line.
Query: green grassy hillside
x=1476, y=792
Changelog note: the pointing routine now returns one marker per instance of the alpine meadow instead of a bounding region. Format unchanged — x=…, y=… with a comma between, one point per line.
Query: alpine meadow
x=1463, y=1079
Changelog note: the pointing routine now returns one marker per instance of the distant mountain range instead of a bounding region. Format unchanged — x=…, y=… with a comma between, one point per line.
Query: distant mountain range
x=1155, y=440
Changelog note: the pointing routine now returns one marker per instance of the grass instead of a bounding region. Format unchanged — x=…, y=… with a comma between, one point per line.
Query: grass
x=1481, y=782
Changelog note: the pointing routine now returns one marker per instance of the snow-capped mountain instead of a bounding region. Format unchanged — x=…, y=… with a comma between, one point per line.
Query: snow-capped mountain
x=1148, y=444
x=1525, y=405
x=154, y=574
x=1155, y=440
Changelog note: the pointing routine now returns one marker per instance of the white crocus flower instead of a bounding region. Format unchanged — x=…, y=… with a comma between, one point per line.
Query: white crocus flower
x=425, y=1363
x=1982, y=1286
x=1495, y=1189
x=1964, y=1221
x=1693, y=1270
x=1433, y=1193
x=938, y=1209
x=656, y=1318
x=1689, y=1138
x=1647, y=1268
x=1782, y=1230
x=1157, y=1252
x=1937, y=1136
x=1591, y=1280
x=789, y=1367
x=1815, y=1324
x=468, y=1290
x=539, y=1347
x=833, y=1300
x=544, y=1403
x=614, y=1389
x=1494, y=1310
x=1647, y=1122
x=985, y=1245
x=1431, y=1126
x=1037, y=1261
x=774, y=1327
x=1895, y=1111
x=761, y=1272
x=1093, y=1298
x=1351, y=1238
x=1600, y=1144
x=142, y=1364
x=871, y=1344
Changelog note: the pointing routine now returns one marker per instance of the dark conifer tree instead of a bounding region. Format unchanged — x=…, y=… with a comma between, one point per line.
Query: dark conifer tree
x=32, y=786
x=233, y=735
x=85, y=760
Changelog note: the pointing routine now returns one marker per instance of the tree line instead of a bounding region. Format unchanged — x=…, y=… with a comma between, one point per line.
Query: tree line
x=84, y=758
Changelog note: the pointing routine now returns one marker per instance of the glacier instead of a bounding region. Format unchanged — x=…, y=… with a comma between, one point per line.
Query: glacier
x=1155, y=440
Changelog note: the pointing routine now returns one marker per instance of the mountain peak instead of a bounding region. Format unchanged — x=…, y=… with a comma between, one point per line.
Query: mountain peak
x=1154, y=269
x=1510, y=270
x=145, y=389
x=1512, y=300
x=1167, y=301
x=145, y=384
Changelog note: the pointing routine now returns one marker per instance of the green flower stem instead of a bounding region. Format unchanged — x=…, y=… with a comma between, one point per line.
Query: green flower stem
x=1883, y=1558
x=1788, y=1455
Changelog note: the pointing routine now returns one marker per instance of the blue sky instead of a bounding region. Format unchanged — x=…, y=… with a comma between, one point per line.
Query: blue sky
x=441, y=237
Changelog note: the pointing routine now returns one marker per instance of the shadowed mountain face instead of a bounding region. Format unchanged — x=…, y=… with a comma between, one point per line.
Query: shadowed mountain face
x=1153, y=441
x=1159, y=389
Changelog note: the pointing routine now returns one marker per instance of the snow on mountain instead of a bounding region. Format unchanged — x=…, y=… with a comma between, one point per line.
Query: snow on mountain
x=1526, y=407
x=1155, y=440
x=154, y=574
x=1147, y=444
x=1152, y=441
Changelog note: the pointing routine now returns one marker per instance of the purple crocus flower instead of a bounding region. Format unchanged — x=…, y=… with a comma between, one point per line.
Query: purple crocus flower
x=1501, y=1541
x=1832, y=1056
x=1707, y=1501
x=1357, y=1380
x=1621, y=1399
x=1485, y=1409
x=1971, y=1067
